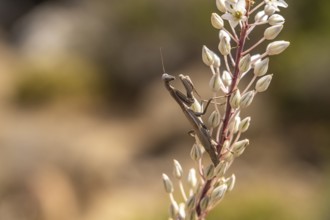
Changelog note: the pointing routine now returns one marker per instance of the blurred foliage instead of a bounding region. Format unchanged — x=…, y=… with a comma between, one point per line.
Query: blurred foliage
x=66, y=79
x=261, y=203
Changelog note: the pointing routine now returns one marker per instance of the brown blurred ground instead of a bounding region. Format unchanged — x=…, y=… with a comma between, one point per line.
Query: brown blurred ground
x=87, y=127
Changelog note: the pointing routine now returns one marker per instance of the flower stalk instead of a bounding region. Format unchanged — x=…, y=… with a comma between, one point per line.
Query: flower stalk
x=220, y=135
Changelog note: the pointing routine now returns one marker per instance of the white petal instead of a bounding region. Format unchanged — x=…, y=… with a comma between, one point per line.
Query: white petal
x=233, y=23
x=241, y=4
x=282, y=3
x=229, y=7
x=228, y=16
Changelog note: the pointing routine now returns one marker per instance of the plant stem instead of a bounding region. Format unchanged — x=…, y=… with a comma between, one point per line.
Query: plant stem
x=236, y=76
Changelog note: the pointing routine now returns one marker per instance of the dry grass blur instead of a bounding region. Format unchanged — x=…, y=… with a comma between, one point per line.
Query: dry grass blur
x=87, y=128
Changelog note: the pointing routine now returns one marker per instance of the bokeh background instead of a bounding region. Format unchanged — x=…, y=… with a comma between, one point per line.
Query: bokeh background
x=86, y=127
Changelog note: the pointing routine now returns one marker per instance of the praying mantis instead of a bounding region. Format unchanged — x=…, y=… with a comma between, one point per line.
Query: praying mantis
x=185, y=101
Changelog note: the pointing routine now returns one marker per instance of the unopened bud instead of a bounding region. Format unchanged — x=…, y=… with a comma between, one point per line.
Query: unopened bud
x=207, y=56
x=231, y=182
x=235, y=99
x=217, y=61
x=220, y=169
x=224, y=46
x=223, y=34
x=261, y=17
x=191, y=202
x=277, y=47
x=182, y=211
x=174, y=210
x=272, y=32
x=226, y=77
x=261, y=67
x=233, y=126
x=244, y=125
x=196, y=152
x=276, y=19
x=270, y=9
x=221, y=5
x=216, y=83
x=167, y=183
x=226, y=145
x=238, y=147
x=214, y=119
x=227, y=156
x=177, y=171
x=247, y=99
x=192, y=179
x=218, y=193
x=216, y=21
x=245, y=63
x=209, y=172
x=204, y=203
x=263, y=83
x=255, y=58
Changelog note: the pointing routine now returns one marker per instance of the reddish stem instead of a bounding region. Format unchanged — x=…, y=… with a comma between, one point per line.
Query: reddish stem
x=229, y=111
x=206, y=188
x=224, y=131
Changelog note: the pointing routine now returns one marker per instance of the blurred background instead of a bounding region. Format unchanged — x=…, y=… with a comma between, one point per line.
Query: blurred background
x=87, y=127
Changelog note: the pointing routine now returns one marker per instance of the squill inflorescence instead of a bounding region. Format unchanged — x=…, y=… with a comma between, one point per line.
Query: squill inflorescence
x=207, y=184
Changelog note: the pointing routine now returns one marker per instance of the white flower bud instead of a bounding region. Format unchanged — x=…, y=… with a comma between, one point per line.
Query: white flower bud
x=196, y=152
x=226, y=77
x=216, y=21
x=174, y=210
x=223, y=34
x=272, y=32
x=277, y=47
x=167, y=183
x=233, y=127
x=204, y=203
x=235, y=99
x=261, y=67
x=227, y=156
x=238, y=147
x=226, y=144
x=207, y=56
x=221, y=5
x=269, y=9
x=190, y=204
x=216, y=83
x=247, y=99
x=245, y=63
x=276, y=19
x=218, y=193
x=231, y=182
x=261, y=17
x=263, y=83
x=244, y=125
x=209, y=172
x=224, y=46
x=217, y=61
x=177, y=171
x=192, y=179
x=220, y=169
x=255, y=58
x=214, y=119
x=182, y=211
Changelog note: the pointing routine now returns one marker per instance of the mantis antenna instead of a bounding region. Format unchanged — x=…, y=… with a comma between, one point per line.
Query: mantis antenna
x=161, y=58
